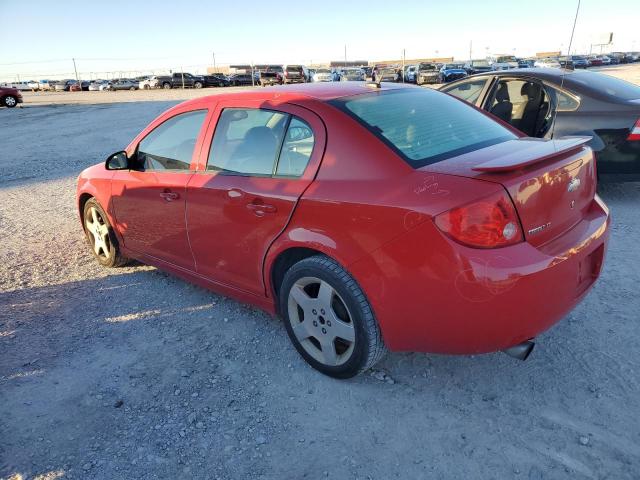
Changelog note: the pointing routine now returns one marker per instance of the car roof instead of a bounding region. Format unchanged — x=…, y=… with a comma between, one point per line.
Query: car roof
x=322, y=92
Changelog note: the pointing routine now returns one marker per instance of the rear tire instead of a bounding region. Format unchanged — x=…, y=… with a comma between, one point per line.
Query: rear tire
x=100, y=235
x=197, y=85
x=329, y=319
x=9, y=101
x=166, y=85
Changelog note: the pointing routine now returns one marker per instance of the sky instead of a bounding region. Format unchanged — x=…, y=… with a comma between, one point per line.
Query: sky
x=156, y=36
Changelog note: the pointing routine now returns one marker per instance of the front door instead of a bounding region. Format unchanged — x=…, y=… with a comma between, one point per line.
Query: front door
x=260, y=162
x=149, y=201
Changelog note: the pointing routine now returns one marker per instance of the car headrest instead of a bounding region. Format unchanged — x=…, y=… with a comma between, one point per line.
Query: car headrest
x=531, y=90
x=259, y=138
x=502, y=94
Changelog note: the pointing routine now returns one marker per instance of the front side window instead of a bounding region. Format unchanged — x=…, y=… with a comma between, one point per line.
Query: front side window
x=170, y=146
x=423, y=126
x=468, y=91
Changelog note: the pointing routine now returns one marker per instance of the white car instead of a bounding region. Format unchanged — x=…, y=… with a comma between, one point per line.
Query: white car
x=96, y=84
x=547, y=63
x=322, y=75
x=149, y=83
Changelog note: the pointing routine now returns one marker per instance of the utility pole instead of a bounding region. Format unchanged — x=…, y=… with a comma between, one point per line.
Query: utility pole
x=214, y=62
x=182, y=75
x=404, y=51
x=76, y=70
x=470, y=49
x=345, y=55
x=253, y=77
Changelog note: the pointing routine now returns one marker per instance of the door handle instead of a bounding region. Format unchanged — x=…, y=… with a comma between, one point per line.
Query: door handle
x=260, y=208
x=169, y=196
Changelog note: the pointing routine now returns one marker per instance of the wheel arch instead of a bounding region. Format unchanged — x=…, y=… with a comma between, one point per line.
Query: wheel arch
x=82, y=201
x=282, y=262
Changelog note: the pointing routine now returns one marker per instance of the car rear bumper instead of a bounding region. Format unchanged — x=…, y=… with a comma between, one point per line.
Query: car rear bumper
x=431, y=294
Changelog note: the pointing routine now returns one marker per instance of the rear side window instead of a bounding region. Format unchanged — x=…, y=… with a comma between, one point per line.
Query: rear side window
x=170, y=145
x=247, y=141
x=296, y=149
x=424, y=126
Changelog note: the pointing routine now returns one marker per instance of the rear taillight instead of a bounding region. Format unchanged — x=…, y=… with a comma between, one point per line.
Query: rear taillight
x=635, y=132
x=488, y=223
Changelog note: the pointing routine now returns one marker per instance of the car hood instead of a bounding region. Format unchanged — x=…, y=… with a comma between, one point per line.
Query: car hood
x=449, y=71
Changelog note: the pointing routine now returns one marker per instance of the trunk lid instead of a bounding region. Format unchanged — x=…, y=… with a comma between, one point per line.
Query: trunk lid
x=552, y=182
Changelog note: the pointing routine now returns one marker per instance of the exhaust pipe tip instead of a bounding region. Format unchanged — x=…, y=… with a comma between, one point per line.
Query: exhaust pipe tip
x=521, y=351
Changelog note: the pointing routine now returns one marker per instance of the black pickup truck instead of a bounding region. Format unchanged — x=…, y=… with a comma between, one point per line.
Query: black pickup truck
x=178, y=80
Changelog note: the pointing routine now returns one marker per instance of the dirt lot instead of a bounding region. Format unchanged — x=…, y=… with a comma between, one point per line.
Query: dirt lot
x=131, y=373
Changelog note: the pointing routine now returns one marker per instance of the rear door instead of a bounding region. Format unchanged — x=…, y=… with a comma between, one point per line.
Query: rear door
x=149, y=201
x=255, y=164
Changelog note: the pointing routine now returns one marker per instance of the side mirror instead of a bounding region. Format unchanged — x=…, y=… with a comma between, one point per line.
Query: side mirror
x=117, y=161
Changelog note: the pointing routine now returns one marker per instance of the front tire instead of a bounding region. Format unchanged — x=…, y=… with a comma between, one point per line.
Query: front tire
x=197, y=85
x=166, y=85
x=10, y=101
x=100, y=235
x=329, y=319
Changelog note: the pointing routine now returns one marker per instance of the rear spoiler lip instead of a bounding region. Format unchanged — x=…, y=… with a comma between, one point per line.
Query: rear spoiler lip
x=540, y=150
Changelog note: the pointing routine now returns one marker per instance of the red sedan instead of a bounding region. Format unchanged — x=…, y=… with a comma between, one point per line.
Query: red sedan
x=369, y=218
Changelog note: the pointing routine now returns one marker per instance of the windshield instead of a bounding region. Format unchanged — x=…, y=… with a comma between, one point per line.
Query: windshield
x=450, y=66
x=323, y=70
x=423, y=126
x=506, y=59
x=427, y=66
x=480, y=63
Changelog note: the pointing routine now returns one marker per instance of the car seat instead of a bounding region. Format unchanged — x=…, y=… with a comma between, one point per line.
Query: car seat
x=503, y=108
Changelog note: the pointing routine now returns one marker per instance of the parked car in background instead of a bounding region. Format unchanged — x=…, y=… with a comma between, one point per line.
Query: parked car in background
x=10, y=97
x=216, y=80
x=547, y=63
x=269, y=77
x=595, y=61
x=293, y=74
x=385, y=73
x=503, y=62
x=477, y=66
x=34, y=85
x=368, y=72
x=566, y=62
x=239, y=79
x=148, y=82
x=444, y=215
x=428, y=72
x=95, y=85
x=322, y=75
x=179, y=80
x=350, y=74
x=410, y=73
x=121, y=84
x=579, y=61
x=577, y=102
x=605, y=60
x=451, y=71
x=63, y=85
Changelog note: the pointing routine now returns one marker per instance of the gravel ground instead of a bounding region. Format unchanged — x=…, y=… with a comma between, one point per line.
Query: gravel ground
x=132, y=373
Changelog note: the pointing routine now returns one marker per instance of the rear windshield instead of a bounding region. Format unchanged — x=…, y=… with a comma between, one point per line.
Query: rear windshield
x=423, y=126
x=611, y=86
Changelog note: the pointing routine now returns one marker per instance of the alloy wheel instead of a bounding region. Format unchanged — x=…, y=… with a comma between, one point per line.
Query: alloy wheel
x=321, y=321
x=10, y=102
x=98, y=233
